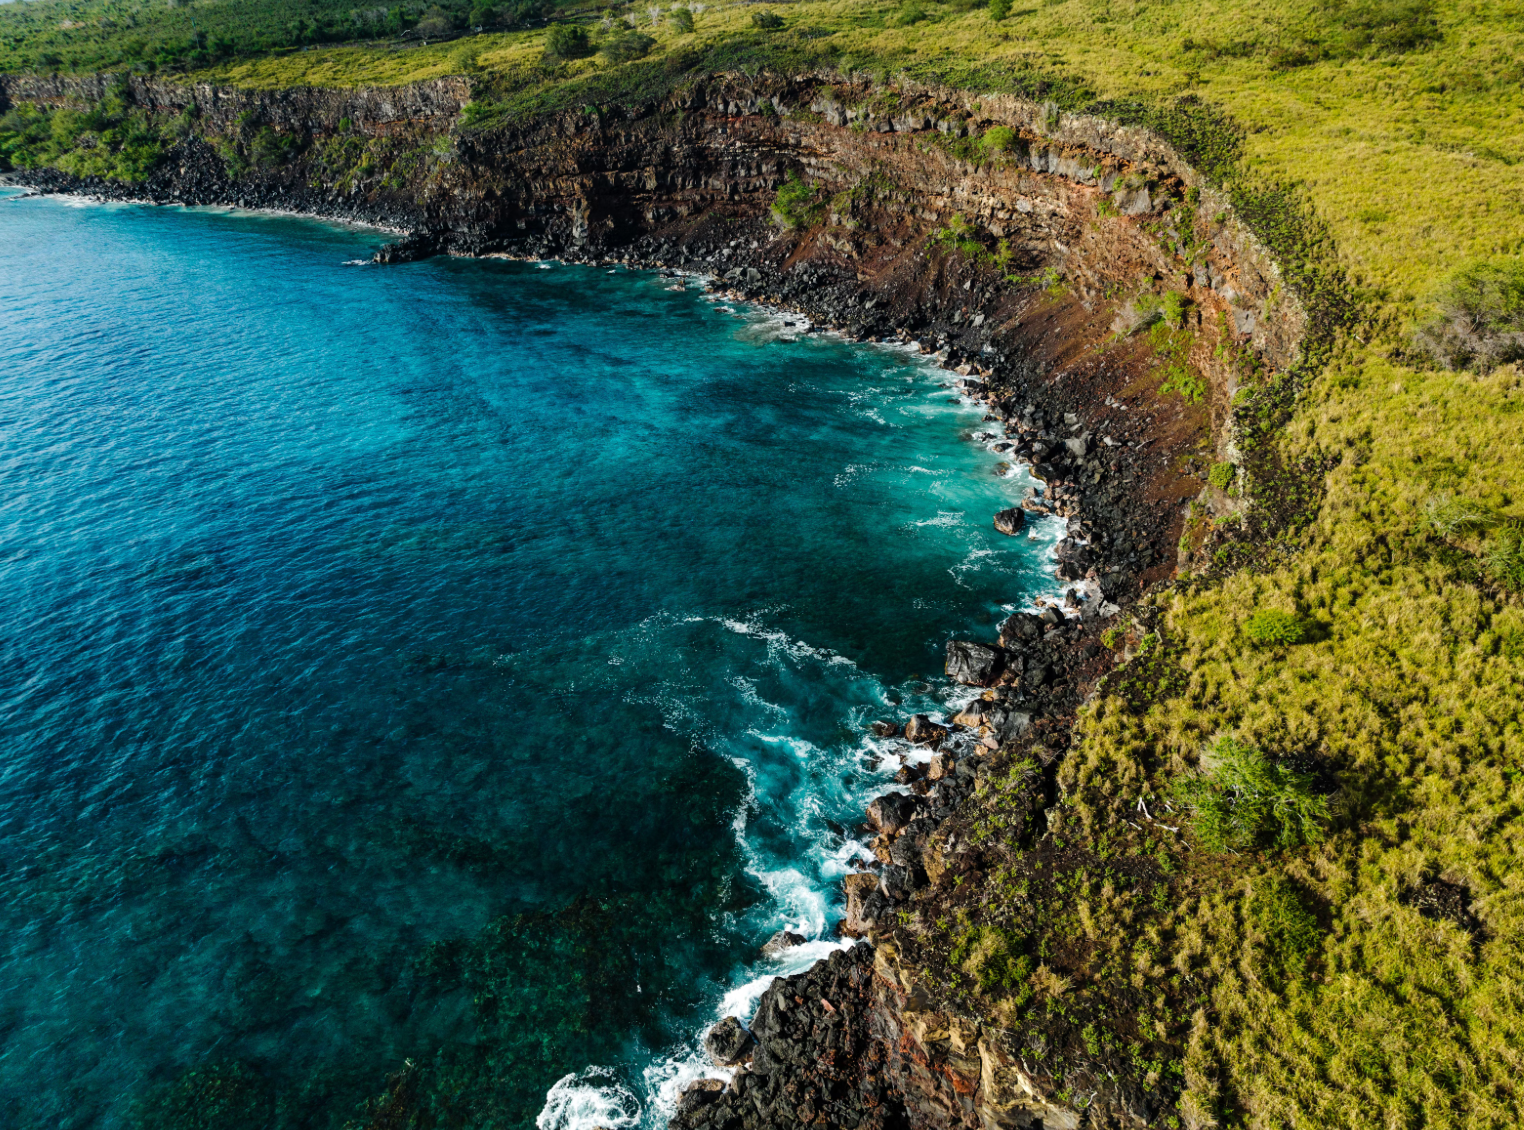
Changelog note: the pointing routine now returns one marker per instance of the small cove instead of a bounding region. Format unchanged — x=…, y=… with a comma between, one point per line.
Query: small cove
x=464, y=663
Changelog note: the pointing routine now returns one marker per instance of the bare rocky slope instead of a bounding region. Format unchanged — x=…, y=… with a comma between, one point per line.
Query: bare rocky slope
x=1031, y=264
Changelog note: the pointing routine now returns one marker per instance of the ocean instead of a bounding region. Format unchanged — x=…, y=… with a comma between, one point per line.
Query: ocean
x=437, y=682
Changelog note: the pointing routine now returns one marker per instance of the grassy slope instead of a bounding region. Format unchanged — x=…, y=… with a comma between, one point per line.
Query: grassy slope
x=1415, y=160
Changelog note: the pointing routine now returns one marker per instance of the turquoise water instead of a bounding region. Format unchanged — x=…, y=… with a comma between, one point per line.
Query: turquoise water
x=463, y=663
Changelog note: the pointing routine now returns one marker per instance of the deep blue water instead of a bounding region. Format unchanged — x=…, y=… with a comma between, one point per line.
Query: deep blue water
x=461, y=663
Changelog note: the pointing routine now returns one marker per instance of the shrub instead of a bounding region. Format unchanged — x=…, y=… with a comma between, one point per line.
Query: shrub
x=1480, y=319
x=1241, y=799
x=682, y=20
x=567, y=41
x=996, y=960
x=628, y=46
x=1174, y=349
x=1136, y=316
x=483, y=16
x=1000, y=9
x=1222, y=475
x=766, y=21
x=1267, y=628
x=1113, y=636
x=436, y=21
x=795, y=203
x=270, y=149
x=1503, y=556
x=1450, y=516
x=999, y=139
x=1172, y=308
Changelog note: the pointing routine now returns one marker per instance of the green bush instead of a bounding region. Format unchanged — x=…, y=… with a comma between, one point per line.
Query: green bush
x=1480, y=319
x=1222, y=475
x=1268, y=628
x=627, y=46
x=435, y=22
x=996, y=959
x=999, y=139
x=795, y=205
x=682, y=20
x=567, y=41
x=1503, y=556
x=1000, y=9
x=1241, y=800
x=482, y=15
x=270, y=149
x=1172, y=307
x=766, y=21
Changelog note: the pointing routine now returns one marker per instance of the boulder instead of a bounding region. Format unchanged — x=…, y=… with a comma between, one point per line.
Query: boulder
x=891, y=812
x=1132, y=202
x=1010, y=522
x=866, y=904
x=699, y=1093
x=781, y=942
x=941, y=766
x=898, y=883
x=1007, y=724
x=1077, y=446
x=921, y=730
x=728, y=1043
x=972, y=664
x=1020, y=626
x=973, y=714
x=882, y=729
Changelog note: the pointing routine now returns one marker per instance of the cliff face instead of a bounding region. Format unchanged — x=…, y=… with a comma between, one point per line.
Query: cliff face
x=374, y=111
x=1034, y=259
x=595, y=179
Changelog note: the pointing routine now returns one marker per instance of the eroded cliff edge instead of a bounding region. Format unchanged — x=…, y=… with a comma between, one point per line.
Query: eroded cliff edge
x=1036, y=251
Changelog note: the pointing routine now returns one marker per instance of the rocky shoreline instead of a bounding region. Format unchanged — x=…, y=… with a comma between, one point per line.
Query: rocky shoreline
x=1046, y=338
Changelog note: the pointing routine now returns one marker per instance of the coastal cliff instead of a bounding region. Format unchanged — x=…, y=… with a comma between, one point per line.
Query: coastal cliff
x=1086, y=283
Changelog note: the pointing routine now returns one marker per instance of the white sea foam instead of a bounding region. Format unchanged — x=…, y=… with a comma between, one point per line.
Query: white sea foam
x=972, y=562
x=780, y=641
x=588, y=1100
